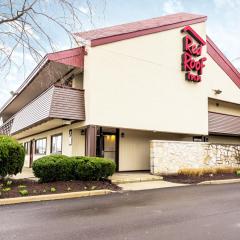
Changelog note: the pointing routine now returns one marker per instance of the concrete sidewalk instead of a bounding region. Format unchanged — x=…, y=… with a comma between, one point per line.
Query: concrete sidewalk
x=26, y=173
x=136, y=186
x=133, y=177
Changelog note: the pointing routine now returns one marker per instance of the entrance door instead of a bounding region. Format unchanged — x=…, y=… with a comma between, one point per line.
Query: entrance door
x=108, y=144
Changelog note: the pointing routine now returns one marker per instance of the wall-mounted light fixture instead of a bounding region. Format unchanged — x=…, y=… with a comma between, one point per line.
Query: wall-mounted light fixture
x=217, y=91
x=82, y=131
x=70, y=137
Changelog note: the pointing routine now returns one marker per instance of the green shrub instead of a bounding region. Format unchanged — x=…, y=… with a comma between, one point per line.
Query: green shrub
x=53, y=168
x=23, y=192
x=62, y=168
x=12, y=156
x=93, y=168
x=53, y=189
x=9, y=182
x=7, y=189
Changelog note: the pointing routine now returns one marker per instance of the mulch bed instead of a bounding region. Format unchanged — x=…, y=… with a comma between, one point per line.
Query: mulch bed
x=35, y=188
x=197, y=179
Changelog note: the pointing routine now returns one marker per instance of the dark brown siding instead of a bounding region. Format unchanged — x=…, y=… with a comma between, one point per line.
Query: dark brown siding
x=223, y=124
x=68, y=103
x=34, y=112
x=57, y=102
x=5, y=129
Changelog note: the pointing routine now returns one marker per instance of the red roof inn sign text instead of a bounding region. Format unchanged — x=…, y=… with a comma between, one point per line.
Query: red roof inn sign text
x=192, y=63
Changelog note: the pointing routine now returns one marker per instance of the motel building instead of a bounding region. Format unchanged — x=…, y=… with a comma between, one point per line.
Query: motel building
x=124, y=88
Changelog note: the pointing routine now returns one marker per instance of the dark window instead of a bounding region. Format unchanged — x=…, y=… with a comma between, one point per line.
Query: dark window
x=56, y=144
x=41, y=146
x=26, y=147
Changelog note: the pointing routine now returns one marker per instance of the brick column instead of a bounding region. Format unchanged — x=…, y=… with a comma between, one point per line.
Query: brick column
x=90, y=141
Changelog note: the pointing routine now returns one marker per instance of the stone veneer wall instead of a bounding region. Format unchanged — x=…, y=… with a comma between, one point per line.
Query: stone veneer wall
x=168, y=157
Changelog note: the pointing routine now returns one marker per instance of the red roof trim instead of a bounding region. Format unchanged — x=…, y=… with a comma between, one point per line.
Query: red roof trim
x=223, y=62
x=73, y=57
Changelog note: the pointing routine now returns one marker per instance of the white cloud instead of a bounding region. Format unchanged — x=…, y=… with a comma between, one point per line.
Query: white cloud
x=172, y=6
x=84, y=10
x=227, y=3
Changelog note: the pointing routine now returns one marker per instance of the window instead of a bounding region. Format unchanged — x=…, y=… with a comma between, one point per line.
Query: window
x=26, y=147
x=41, y=146
x=56, y=144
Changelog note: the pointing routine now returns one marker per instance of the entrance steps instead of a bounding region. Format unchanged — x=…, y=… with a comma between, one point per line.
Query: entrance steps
x=133, y=177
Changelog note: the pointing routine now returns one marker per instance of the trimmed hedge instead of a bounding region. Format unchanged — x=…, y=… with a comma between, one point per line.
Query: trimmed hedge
x=62, y=168
x=93, y=168
x=12, y=155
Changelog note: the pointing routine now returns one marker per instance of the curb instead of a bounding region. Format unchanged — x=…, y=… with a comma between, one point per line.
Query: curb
x=49, y=197
x=224, y=181
x=135, y=180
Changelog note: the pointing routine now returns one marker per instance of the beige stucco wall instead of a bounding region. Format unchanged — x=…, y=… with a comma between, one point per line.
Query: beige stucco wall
x=77, y=147
x=78, y=144
x=134, y=148
x=217, y=79
x=138, y=83
x=215, y=105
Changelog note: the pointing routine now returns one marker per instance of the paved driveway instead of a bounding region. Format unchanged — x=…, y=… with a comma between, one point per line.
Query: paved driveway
x=183, y=213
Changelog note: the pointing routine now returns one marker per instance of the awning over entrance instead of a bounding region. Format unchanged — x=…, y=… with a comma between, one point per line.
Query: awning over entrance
x=53, y=67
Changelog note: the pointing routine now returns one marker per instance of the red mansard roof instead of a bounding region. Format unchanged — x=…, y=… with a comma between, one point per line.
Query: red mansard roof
x=135, y=29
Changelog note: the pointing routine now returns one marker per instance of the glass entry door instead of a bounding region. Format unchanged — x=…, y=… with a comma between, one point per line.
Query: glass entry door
x=109, y=146
x=107, y=143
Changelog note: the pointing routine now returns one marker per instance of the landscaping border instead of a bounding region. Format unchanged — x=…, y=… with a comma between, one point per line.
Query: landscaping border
x=222, y=181
x=58, y=196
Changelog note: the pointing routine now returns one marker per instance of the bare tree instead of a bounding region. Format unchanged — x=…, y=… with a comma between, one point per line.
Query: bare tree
x=30, y=26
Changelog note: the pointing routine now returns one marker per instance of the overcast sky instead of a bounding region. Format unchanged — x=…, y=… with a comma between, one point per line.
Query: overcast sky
x=222, y=26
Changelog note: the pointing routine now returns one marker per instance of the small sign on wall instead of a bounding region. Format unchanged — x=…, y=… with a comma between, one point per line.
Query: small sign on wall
x=200, y=139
